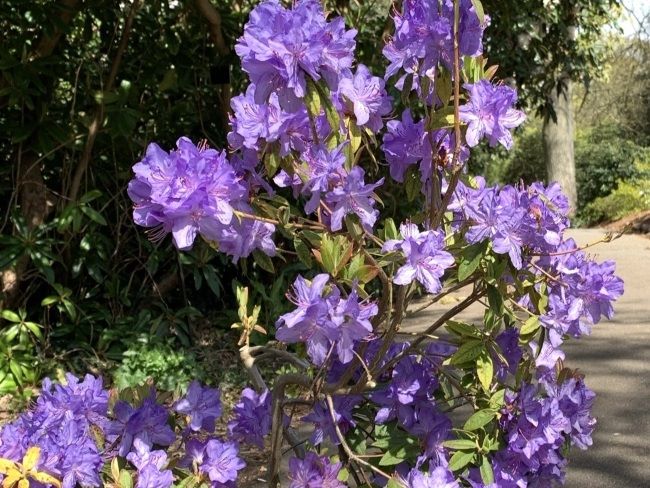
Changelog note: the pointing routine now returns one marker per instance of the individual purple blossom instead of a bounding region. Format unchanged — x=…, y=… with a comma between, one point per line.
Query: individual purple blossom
x=493, y=217
x=490, y=113
x=150, y=466
x=221, y=461
x=438, y=477
x=404, y=144
x=321, y=417
x=252, y=417
x=508, y=342
x=146, y=424
x=353, y=197
x=367, y=96
x=324, y=170
x=314, y=472
x=426, y=259
x=323, y=319
x=410, y=385
x=81, y=464
x=202, y=405
x=433, y=428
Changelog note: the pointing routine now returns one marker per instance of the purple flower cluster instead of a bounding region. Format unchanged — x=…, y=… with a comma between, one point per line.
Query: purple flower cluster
x=147, y=425
x=194, y=191
x=426, y=259
x=321, y=417
x=512, y=218
x=423, y=39
x=282, y=48
x=216, y=459
x=581, y=294
x=325, y=320
x=490, y=113
x=253, y=125
x=314, y=472
x=252, y=418
x=150, y=465
x=536, y=425
x=202, y=405
x=438, y=477
x=61, y=424
x=77, y=435
x=407, y=143
x=330, y=189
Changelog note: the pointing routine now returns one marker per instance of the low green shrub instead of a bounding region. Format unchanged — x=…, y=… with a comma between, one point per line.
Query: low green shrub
x=172, y=367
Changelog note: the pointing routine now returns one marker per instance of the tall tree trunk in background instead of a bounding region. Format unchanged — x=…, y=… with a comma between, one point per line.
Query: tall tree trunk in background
x=558, y=133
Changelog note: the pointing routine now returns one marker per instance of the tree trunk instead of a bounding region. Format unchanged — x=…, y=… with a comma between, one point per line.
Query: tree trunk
x=558, y=135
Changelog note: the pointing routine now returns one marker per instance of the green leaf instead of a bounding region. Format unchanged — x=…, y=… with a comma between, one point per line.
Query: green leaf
x=485, y=369
x=90, y=196
x=463, y=329
x=390, y=229
x=412, y=183
x=16, y=371
x=263, y=261
x=530, y=326
x=394, y=483
x=355, y=136
x=10, y=316
x=443, y=86
x=93, y=215
x=460, y=459
x=470, y=259
x=487, y=475
x=480, y=13
x=467, y=352
x=495, y=299
x=479, y=419
x=498, y=399
x=126, y=480
x=303, y=251
x=212, y=279
x=312, y=100
x=272, y=163
x=460, y=444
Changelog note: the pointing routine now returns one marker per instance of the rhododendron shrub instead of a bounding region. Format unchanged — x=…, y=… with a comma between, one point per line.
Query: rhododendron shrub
x=360, y=403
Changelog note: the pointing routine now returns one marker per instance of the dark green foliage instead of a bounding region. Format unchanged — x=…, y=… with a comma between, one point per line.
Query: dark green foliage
x=603, y=158
x=172, y=368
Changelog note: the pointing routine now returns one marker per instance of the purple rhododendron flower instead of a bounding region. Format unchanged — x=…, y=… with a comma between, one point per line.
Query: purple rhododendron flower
x=490, y=113
x=281, y=48
x=252, y=417
x=353, y=197
x=202, y=405
x=194, y=191
x=367, y=96
x=221, y=461
x=426, y=260
x=314, y=471
x=322, y=419
x=322, y=318
x=438, y=477
x=150, y=466
x=146, y=424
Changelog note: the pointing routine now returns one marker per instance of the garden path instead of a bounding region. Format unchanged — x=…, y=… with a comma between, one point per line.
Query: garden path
x=616, y=361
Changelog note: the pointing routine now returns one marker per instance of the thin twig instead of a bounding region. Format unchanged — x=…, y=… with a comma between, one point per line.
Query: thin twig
x=346, y=447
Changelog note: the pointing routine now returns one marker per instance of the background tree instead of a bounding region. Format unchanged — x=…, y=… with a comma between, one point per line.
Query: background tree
x=544, y=46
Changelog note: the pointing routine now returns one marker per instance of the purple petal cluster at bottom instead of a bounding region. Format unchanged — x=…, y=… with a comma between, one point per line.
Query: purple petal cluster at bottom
x=314, y=472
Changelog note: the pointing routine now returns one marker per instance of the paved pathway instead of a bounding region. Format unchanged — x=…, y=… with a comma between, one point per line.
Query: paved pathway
x=616, y=361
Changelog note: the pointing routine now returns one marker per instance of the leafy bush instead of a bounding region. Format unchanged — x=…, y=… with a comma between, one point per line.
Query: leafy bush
x=171, y=367
x=628, y=198
x=603, y=159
